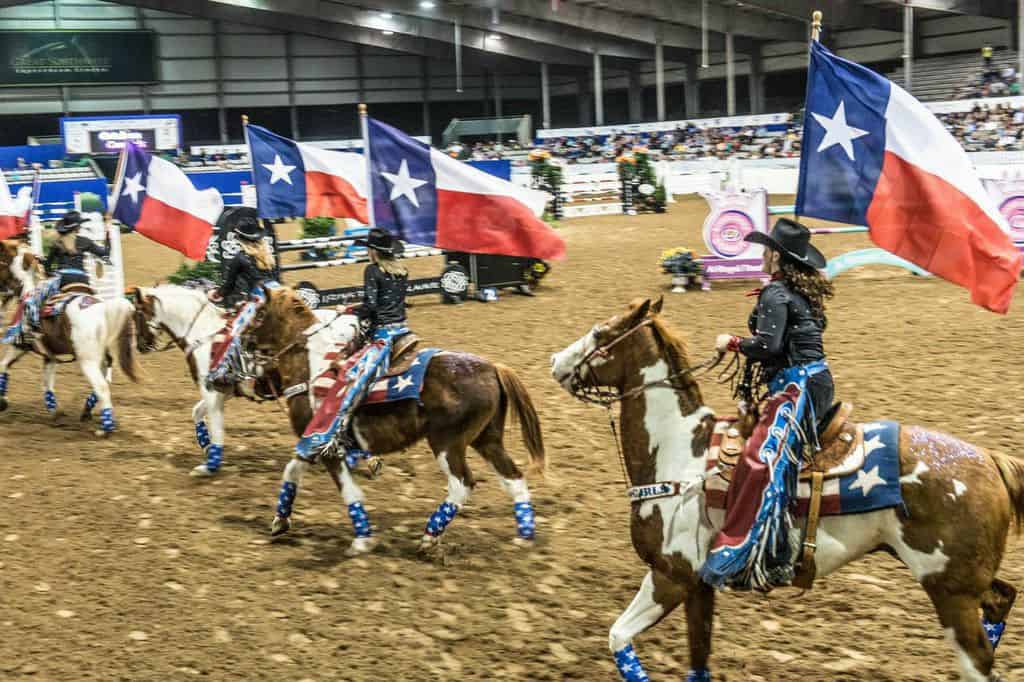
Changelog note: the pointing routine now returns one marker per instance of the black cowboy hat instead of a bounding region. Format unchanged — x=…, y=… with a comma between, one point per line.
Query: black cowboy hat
x=380, y=240
x=792, y=239
x=249, y=229
x=71, y=220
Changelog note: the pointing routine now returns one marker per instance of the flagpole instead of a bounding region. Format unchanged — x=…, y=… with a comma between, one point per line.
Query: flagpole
x=364, y=126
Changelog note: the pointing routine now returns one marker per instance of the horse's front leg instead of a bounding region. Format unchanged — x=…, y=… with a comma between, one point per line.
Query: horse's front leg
x=49, y=381
x=292, y=479
x=658, y=597
x=96, y=376
x=452, y=461
x=208, y=415
x=10, y=356
x=353, y=496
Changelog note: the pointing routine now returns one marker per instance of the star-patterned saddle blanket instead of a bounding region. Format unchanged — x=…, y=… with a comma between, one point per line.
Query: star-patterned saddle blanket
x=388, y=389
x=875, y=484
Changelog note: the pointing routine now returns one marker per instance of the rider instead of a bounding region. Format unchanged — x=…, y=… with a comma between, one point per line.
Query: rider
x=383, y=307
x=66, y=265
x=249, y=270
x=786, y=356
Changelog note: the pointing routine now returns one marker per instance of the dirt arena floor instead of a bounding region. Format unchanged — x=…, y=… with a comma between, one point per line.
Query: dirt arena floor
x=116, y=565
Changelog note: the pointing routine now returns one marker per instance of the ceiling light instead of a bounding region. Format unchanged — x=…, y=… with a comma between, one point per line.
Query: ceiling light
x=387, y=15
x=388, y=33
x=427, y=4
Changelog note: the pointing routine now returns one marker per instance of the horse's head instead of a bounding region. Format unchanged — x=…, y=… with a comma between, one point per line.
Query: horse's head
x=8, y=252
x=612, y=356
x=148, y=325
x=22, y=265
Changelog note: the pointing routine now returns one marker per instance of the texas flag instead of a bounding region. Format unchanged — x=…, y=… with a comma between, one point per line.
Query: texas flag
x=873, y=155
x=424, y=196
x=299, y=180
x=160, y=202
x=15, y=211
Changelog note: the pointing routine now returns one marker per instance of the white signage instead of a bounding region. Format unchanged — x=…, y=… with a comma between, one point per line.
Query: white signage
x=108, y=134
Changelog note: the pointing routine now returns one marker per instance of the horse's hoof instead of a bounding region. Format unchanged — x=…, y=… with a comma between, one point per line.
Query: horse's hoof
x=202, y=471
x=3, y=404
x=280, y=526
x=428, y=544
x=85, y=416
x=374, y=467
x=523, y=542
x=361, y=546
x=100, y=433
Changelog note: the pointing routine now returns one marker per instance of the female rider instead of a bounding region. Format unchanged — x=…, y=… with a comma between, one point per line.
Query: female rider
x=785, y=355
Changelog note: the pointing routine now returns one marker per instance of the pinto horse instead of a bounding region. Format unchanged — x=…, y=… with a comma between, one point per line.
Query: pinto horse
x=191, y=322
x=959, y=500
x=463, y=404
x=10, y=287
x=93, y=332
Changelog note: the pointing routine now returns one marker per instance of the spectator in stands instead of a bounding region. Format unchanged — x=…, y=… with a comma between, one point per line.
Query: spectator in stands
x=986, y=57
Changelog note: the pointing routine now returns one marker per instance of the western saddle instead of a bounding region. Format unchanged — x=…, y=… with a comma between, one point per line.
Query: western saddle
x=840, y=455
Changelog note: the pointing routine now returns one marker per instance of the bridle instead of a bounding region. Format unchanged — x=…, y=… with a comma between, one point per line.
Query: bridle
x=586, y=389
x=156, y=328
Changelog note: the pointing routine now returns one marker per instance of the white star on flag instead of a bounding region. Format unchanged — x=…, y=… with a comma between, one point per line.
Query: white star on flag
x=132, y=187
x=403, y=184
x=837, y=131
x=279, y=170
x=867, y=480
x=402, y=384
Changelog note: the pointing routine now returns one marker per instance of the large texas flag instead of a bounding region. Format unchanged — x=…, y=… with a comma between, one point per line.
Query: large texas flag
x=160, y=202
x=424, y=196
x=300, y=180
x=873, y=155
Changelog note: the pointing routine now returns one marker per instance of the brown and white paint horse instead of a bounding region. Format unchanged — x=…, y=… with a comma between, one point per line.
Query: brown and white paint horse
x=94, y=333
x=10, y=287
x=960, y=500
x=463, y=404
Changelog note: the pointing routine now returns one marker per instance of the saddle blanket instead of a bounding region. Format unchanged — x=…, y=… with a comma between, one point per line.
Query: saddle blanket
x=388, y=389
x=876, y=485
x=56, y=305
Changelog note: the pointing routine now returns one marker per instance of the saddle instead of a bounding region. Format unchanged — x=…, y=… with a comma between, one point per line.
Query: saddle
x=403, y=353
x=55, y=305
x=840, y=455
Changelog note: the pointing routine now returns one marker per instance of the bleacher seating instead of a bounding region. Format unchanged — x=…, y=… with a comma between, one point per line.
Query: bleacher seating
x=943, y=78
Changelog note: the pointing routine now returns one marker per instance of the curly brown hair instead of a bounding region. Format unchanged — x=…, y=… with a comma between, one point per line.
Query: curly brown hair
x=807, y=281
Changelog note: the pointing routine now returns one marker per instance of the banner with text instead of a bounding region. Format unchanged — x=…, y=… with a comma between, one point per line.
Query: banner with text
x=29, y=58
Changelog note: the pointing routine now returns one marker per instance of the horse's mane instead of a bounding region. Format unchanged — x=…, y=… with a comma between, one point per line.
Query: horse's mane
x=287, y=316
x=674, y=345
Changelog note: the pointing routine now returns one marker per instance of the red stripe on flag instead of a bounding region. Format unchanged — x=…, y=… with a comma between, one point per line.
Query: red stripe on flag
x=330, y=195
x=11, y=226
x=489, y=223
x=929, y=222
x=175, y=228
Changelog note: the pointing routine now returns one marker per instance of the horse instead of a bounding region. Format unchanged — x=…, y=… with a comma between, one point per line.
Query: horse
x=191, y=322
x=958, y=500
x=10, y=287
x=92, y=331
x=464, y=403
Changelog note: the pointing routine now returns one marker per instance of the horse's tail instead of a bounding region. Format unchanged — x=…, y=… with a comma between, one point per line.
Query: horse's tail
x=1011, y=470
x=124, y=324
x=521, y=406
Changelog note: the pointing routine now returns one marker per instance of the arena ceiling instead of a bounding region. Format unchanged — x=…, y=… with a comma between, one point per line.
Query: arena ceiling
x=563, y=32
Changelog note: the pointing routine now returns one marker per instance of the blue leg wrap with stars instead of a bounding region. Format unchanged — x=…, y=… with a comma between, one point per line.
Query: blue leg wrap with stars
x=202, y=435
x=360, y=519
x=90, y=402
x=629, y=665
x=525, y=523
x=50, y=400
x=286, y=499
x=107, y=422
x=353, y=457
x=701, y=675
x=440, y=519
x=214, y=457
x=3, y=384
x=994, y=631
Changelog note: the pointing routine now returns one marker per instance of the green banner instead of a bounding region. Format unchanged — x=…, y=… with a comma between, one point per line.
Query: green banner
x=76, y=57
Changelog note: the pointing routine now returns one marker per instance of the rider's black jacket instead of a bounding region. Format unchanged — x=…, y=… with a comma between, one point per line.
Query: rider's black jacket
x=383, y=296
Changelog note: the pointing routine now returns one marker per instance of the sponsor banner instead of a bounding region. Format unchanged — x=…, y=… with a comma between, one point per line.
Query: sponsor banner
x=31, y=58
x=733, y=216
x=109, y=134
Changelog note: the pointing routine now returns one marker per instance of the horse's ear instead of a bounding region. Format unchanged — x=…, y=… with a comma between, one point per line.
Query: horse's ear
x=656, y=306
x=134, y=294
x=27, y=259
x=639, y=312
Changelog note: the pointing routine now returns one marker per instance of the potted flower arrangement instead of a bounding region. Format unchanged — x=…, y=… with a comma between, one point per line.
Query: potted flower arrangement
x=313, y=228
x=546, y=174
x=642, y=193
x=684, y=267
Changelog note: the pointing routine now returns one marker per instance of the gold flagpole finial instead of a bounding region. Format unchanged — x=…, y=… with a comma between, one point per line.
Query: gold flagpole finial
x=245, y=119
x=815, y=24
x=362, y=109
